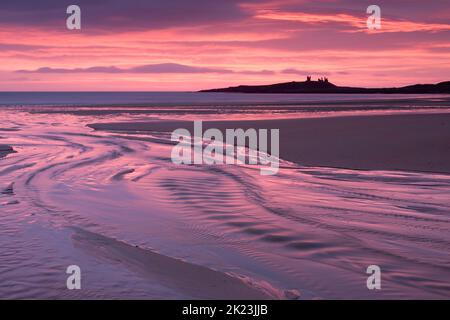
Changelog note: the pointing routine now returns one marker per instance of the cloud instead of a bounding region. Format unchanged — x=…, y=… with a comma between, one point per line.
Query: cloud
x=358, y=23
x=18, y=47
x=146, y=69
x=262, y=72
x=220, y=43
x=150, y=68
x=120, y=16
x=302, y=73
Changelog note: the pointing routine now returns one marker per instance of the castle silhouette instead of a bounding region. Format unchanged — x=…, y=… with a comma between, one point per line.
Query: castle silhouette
x=324, y=79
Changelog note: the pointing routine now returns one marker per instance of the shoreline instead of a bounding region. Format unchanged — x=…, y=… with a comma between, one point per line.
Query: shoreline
x=406, y=142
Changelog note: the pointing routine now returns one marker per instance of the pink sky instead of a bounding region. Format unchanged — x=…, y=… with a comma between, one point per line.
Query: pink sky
x=191, y=45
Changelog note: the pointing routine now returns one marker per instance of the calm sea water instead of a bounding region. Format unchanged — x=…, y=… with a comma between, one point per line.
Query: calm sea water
x=197, y=98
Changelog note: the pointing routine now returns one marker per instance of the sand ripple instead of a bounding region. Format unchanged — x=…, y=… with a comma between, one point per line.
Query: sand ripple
x=312, y=230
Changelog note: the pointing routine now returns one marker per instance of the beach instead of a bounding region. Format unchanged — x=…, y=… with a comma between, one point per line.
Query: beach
x=412, y=142
x=192, y=280
x=99, y=190
x=231, y=151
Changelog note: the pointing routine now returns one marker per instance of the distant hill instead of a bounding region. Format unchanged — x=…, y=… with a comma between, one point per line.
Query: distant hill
x=324, y=86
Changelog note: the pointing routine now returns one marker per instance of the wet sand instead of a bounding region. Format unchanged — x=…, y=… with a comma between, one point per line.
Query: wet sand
x=5, y=149
x=305, y=233
x=408, y=142
x=193, y=280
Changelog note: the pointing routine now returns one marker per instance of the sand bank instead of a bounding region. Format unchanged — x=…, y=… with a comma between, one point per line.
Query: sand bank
x=411, y=142
x=195, y=281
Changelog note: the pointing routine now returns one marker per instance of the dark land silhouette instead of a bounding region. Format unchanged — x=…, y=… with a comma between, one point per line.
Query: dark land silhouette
x=324, y=86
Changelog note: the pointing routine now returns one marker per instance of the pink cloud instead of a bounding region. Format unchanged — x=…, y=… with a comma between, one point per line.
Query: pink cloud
x=253, y=42
x=357, y=22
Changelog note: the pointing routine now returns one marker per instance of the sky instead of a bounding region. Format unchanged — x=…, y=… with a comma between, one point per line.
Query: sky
x=186, y=45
